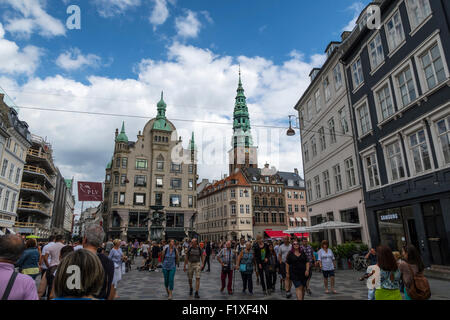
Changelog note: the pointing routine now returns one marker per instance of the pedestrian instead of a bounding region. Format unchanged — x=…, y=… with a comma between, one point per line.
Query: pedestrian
x=283, y=250
x=90, y=276
x=45, y=289
x=29, y=261
x=245, y=264
x=53, y=252
x=144, y=250
x=371, y=257
x=327, y=265
x=373, y=280
x=108, y=246
x=207, y=255
x=272, y=268
x=155, y=255
x=194, y=260
x=92, y=241
x=297, y=269
x=117, y=257
x=416, y=286
x=77, y=244
x=227, y=259
x=311, y=259
x=390, y=276
x=261, y=256
x=169, y=259
x=13, y=285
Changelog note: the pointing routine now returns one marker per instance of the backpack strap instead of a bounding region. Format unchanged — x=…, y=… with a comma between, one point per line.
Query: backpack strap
x=9, y=286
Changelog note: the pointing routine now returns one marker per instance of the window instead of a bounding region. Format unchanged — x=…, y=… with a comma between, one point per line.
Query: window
x=116, y=179
x=115, y=198
x=160, y=164
x=326, y=88
x=272, y=202
x=158, y=199
x=176, y=167
x=191, y=168
x=310, y=110
x=384, y=100
x=317, y=186
x=372, y=170
x=140, y=181
x=419, y=151
x=175, y=183
x=357, y=74
x=281, y=215
x=296, y=208
x=266, y=217
x=274, y=217
x=326, y=182
x=241, y=193
x=122, y=198
x=350, y=172
x=118, y=162
x=337, y=77
x=363, y=119
x=337, y=177
x=124, y=163
x=280, y=202
x=376, y=53
x=4, y=167
x=159, y=182
x=13, y=202
x=5, y=203
x=191, y=184
x=108, y=178
x=313, y=146
x=290, y=208
x=332, y=130
x=406, y=87
x=443, y=127
x=394, y=31
x=241, y=209
x=190, y=201
x=17, y=180
x=432, y=67
x=123, y=179
x=309, y=191
x=303, y=208
x=15, y=148
x=141, y=164
x=264, y=202
x=233, y=209
x=247, y=208
x=289, y=195
x=233, y=193
x=302, y=118
x=11, y=172
x=394, y=161
x=343, y=120
x=418, y=11
x=318, y=101
x=175, y=200
x=139, y=199
x=323, y=144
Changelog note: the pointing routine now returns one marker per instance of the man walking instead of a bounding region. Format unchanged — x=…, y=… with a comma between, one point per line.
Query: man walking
x=193, y=263
x=283, y=250
x=208, y=254
x=54, y=252
x=51, y=241
x=227, y=258
x=155, y=255
x=311, y=259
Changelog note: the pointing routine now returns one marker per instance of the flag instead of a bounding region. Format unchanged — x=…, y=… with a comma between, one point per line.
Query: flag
x=90, y=191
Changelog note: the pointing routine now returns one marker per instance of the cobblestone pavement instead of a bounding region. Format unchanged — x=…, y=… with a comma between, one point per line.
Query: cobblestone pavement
x=145, y=285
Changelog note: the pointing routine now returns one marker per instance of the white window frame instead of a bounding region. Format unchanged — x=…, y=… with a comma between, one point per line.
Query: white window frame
x=417, y=57
x=348, y=169
x=327, y=88
x=357, y=106
x=406, y=133
x=376, y=90
x=306, y=151
x=337, y=178
x=385, y=143
x=364, y=154
x=317, y=187
x=393, y=50
x=332, y=129
x=337, y=74
x=360, y=84
x=398, y=95
x=317, y=97
x=313, y=146
x=322, y=139
x=380, y=59
x=415, y=28
x=326, y=183
x=345, y=128
x=433, y=119
x=309, y=106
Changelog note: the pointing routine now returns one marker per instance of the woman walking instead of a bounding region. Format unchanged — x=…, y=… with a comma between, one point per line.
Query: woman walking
x=29, y=261
x=389, y=275
x=411, y=266
x=261, y=255
x=170, y=260
x=297, y=269
x=245, y=262
x=327, y=264
x=117, y=256
x=272, y=266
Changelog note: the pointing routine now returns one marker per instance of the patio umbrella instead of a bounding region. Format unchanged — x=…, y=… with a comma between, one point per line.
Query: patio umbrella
x=32, y=237
x=333, y=225
x=298, y=230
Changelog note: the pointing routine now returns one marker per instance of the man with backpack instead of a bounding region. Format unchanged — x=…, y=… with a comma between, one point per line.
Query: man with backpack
x=193, y=263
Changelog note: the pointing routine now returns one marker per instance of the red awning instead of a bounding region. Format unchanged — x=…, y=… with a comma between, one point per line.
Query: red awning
x=280, y=234
x=302, y=235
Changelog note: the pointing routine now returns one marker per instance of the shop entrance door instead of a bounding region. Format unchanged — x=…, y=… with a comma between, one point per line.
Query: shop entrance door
x=435, y=232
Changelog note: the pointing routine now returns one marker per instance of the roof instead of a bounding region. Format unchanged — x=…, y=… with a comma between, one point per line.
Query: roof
x=298, y=182
x=122, y=137
x=236, y=179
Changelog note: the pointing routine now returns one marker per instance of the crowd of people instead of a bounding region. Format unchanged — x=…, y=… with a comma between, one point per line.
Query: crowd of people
x=102, y=264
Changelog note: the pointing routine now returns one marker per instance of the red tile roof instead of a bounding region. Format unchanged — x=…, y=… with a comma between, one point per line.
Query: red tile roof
x=220, y=185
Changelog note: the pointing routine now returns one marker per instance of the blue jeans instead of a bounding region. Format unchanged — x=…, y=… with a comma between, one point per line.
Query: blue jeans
x=169, y=275
x=371, y=294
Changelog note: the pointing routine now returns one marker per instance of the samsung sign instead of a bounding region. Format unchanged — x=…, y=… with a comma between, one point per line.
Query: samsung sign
x=393, y=216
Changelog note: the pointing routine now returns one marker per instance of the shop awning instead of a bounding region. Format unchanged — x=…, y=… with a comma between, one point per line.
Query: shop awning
x=302, y=235
x=305, y=219
x=297, y=230
x=298, y=219
x=292, y=219
x=333, y=225
x=275, y=234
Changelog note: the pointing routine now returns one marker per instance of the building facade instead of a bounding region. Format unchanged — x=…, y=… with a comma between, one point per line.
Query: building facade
x=295, y=196
x=15, y=139
x=142, y=174
x=333, y=186
x=225, y=210
x=399, y=87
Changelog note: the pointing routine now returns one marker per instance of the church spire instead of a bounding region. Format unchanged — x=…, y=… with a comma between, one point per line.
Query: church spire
x=241, y=116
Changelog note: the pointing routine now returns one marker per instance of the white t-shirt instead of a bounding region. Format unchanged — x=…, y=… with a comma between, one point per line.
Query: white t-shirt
x=78, y=247
x=145, y=248
x=284, y=250
x=44, y=251
x=327, y=259
x=53, y=252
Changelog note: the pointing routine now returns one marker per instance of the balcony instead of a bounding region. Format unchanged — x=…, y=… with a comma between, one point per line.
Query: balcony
x=38, y=171
x=27, y=206
x=32, y=228
x=36, y=188
x=43, y=157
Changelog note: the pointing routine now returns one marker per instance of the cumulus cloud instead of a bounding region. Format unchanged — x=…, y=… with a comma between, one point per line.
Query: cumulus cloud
x=356, y=7
x=159, y=14
x=110, y=8
x=188, y=26
x=15, y=60
x=73, y=59
x=27, y=17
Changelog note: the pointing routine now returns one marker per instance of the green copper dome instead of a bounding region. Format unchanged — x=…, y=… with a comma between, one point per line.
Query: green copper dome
x=109, y=165
x=122, y=137
x=160, y=122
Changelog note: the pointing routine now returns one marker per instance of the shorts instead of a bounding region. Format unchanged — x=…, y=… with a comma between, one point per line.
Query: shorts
x=327, y=274
x=299, y=283
x=283, y=270
x=194, y=267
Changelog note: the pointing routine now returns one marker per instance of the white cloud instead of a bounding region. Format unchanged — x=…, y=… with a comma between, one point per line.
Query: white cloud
x=188, y=26
x=317, y=60
x=30, y=16
x=159, y=14
x=74, y=59
x=110, y=8
x=356, y=7
x=16, y=60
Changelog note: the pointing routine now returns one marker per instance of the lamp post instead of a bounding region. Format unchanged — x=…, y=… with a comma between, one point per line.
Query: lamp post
x=156, y=229
x=291, y=132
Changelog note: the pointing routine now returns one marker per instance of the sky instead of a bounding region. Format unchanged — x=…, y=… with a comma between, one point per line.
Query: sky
x=125, y=52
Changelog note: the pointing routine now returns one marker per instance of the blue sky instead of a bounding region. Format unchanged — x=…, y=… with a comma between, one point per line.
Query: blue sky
x=127, y=51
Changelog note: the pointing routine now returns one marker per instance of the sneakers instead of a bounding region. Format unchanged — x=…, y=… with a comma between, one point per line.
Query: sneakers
x=288, y=295
x=196, y=295
x=191, y=291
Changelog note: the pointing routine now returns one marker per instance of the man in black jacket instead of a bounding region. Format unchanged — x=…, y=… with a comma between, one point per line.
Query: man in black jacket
x=261, y=253
x=208, y=254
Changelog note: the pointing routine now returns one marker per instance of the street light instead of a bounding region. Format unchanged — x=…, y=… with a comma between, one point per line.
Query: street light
x=291, y=132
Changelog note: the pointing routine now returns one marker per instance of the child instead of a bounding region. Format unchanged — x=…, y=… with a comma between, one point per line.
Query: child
x=373, y=280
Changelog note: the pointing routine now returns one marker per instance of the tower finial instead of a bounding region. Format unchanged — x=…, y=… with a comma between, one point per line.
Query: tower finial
x=162, y=95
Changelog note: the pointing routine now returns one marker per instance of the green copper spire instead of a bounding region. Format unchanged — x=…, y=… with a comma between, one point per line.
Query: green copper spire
x=192, y=145
x=160, y=122
x=122, y=137
x=241, y=117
